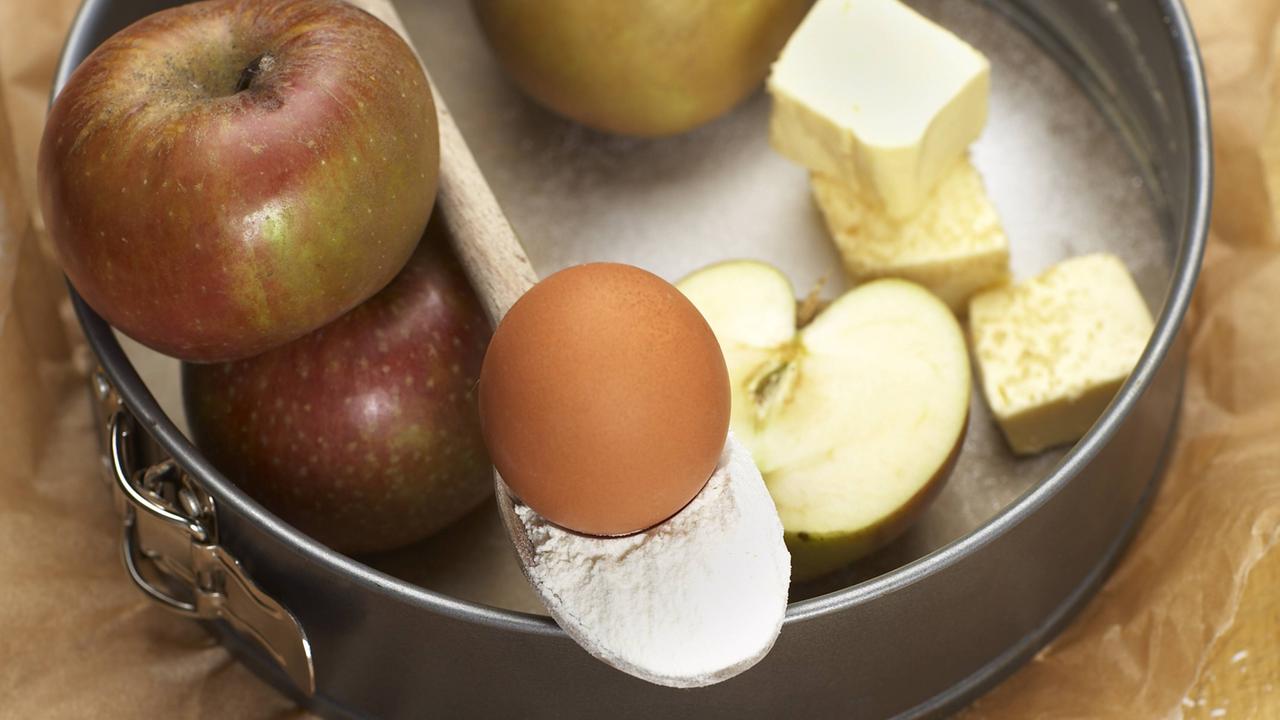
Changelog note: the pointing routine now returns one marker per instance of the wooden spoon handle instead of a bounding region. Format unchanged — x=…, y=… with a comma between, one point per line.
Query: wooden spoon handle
x=483, y=240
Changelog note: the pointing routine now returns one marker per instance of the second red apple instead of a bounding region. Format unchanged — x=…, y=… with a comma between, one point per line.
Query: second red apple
x=364, y=434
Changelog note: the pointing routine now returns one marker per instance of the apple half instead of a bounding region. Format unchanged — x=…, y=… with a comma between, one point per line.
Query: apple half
x=855, y=418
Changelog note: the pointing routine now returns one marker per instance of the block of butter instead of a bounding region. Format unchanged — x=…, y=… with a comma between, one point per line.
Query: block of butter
x=1053, y=350
x=955, y=245
x=876, y=96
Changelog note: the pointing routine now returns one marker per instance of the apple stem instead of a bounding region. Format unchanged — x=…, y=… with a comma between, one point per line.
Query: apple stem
x=812, y=304
x=255, y=68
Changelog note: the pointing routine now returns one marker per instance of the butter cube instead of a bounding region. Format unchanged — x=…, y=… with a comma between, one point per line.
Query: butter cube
x=879, y=98
x=955, y=246
x=1053, y=350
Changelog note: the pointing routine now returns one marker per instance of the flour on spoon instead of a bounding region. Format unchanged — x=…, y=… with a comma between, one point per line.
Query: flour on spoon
x=692, y=601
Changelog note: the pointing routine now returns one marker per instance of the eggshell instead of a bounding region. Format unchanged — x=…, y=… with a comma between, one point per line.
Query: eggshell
x=604, y=399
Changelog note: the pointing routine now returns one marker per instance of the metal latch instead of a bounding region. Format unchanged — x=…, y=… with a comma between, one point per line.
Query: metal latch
x=170, y=534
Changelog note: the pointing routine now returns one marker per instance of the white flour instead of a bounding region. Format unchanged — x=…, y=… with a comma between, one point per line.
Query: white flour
x=693, y=601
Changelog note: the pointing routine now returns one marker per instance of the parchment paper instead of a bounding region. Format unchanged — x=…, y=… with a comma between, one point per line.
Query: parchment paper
x=78, y=641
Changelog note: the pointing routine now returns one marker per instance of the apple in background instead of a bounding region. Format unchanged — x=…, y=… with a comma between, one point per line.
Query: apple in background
x=639, y=67
x=855, y=419
x=364, y=434
x=223, y=177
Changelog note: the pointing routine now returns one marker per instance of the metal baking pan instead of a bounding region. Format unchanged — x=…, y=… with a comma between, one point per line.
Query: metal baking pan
x=1098, y=140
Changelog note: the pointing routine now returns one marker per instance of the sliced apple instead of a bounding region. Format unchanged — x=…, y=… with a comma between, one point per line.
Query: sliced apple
x=854, y=419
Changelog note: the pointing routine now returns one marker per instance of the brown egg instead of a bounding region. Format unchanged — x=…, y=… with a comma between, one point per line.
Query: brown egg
x=604, y=399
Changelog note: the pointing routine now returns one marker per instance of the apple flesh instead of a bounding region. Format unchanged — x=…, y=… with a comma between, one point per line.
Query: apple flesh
x=364, y=434
x=855, y=419
x=222, y=177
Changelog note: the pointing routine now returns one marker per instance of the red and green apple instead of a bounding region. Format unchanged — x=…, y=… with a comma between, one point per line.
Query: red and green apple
x=226, y=176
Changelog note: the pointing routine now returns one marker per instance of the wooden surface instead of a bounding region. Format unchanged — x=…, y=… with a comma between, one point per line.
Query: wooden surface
x=1242, y=676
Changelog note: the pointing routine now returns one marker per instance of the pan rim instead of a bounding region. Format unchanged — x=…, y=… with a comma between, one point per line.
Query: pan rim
x=139, y=400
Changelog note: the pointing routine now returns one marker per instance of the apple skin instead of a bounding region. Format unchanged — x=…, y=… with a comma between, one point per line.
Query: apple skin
x=640, y=67
x=364, y=434
x=213, y=223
